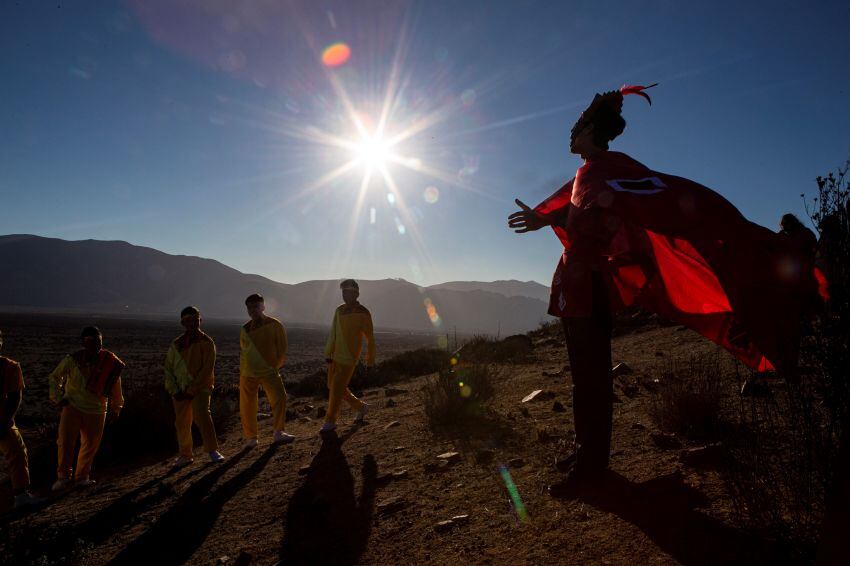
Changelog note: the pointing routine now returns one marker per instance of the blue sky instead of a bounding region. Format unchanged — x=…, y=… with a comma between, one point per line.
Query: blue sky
x=193, y=127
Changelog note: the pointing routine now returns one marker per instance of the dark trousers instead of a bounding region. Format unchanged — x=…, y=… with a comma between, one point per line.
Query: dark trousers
x=589, y=349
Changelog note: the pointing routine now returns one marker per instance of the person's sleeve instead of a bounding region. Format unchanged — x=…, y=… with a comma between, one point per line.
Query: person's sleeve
x=57, y=377
x=243, y=346
x=370, y=340
x=204, y=376
x=281, y=346
x=16, y=379
x=331, y=343
x=170, y=378
x=116, y=397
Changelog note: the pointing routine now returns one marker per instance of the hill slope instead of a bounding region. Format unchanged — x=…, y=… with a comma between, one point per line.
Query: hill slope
x=339, y=502
x=49, y=274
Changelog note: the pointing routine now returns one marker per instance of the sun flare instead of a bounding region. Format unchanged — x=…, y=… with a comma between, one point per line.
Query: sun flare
x=373, y=151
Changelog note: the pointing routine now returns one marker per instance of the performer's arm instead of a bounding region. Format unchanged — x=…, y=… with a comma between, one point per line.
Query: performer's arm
x=528, y=219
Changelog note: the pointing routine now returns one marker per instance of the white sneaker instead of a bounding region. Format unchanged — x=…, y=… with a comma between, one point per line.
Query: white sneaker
x=281, y=437
x=181, y=462
x=327, y=427
x=216, y=457
x=85, y=482
x=251, y=443
x=26, y=499
x=360, y=416
x=60, y=484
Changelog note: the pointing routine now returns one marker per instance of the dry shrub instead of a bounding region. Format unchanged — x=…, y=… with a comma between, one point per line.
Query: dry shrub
x=458, y=395
x=787, y=461
x=415, y=363
x=689, y=395
x=486, y=350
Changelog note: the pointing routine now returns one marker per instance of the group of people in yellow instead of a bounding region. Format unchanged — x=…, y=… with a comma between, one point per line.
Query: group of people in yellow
x=86, y=386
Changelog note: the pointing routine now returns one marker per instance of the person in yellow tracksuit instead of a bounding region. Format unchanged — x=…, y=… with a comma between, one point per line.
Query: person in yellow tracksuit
x=262, y=342
x=85, y=385
x=351, y=324
x=11, y=442
x=189, y=378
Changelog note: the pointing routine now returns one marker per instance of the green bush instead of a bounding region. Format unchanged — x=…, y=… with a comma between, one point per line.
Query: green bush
x=454, y=396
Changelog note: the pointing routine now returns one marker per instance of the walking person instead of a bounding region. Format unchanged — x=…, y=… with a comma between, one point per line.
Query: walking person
x=87, y=386
x=190, y=378
x=352, y=323
x=263, y=345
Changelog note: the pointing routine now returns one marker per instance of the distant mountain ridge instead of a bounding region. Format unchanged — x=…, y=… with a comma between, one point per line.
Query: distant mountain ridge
x=116, y=277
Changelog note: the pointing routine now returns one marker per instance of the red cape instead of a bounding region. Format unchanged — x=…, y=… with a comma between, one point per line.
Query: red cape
x=681, y=250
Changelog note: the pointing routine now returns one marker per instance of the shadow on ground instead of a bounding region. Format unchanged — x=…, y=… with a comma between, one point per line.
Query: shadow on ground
x=664, y=508
x=183, y=528
x=325, y=524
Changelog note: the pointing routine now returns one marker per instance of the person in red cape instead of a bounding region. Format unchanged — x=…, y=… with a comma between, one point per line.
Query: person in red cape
x=634, y=236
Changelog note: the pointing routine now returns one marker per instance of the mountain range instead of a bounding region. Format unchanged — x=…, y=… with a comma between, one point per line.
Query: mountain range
x=114, y=277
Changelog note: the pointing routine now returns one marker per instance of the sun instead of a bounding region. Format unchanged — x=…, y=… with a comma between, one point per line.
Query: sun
x=373, y=151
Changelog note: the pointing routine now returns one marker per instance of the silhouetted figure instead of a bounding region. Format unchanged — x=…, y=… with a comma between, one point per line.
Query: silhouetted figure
x=804, y=240
x=85, y=385
x=634, y=236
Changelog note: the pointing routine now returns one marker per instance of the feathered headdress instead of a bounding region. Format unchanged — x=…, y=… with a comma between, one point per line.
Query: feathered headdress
x=609, y=106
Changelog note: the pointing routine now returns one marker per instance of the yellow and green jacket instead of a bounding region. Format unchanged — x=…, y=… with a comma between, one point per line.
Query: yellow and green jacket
x=190, y=364
x=263, y=348
x=88, y=386
x=351, y=324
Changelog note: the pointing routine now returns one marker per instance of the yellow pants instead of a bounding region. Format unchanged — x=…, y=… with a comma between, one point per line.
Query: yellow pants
x=196, y=409
x=15, y=451
x=88, y=428
x=339, y=377
x=249, y=389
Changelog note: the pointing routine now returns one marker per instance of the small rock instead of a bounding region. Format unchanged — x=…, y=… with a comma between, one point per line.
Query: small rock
x=516, y=462
x=304, y=470
x=290, y=414
x=444, y=526
x=449, y=456
x=537, y=395
x=638, y=426
x=309, y=407
x=460, y=519
x=391, y=425
x=304, y=419
x=391, y=391
x=708, y=455
x=223, y=559
x=398, y=448
x=558, y=407
x=390, y=404
x=665, y=440
x=391, y=505
x=399, y=474
x=320, y=412
x=621, y=369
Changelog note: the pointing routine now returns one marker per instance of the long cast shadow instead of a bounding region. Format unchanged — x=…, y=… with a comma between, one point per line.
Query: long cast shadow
x=664, y=509
x=103, y=524
x=324, y=522
x=181, y=530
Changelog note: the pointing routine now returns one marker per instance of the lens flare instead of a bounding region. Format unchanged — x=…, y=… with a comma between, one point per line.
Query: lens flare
x=431, y=195
x=514, y=494
x=336, y=55
x=431, y=310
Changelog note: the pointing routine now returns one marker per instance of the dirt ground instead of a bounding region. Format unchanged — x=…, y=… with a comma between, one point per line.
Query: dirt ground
x=378, y=494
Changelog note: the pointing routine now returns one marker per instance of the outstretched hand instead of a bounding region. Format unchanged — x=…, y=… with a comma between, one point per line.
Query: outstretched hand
x=527, y=219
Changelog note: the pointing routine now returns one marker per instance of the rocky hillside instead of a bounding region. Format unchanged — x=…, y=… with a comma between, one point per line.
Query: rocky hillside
x=396, y=492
